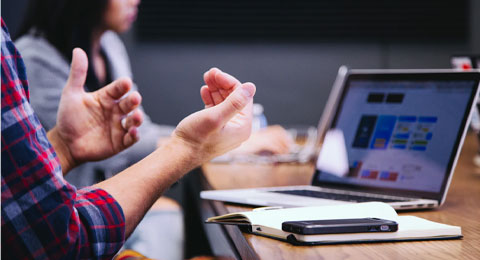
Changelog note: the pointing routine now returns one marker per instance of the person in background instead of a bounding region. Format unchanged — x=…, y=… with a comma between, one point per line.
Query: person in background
x=49, y=32
x=43, y=216
x=51, y=29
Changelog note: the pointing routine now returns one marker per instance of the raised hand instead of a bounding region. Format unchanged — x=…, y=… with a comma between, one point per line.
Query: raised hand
x=94, y=126
x=273, y=139
x=226, y=120
x=224, y=124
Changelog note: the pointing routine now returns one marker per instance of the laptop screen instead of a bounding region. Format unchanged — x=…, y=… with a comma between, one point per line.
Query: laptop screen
x=398, y=134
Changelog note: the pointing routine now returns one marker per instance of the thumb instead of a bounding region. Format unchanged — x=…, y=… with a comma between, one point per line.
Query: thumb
x=235, y=102
x=78, y=70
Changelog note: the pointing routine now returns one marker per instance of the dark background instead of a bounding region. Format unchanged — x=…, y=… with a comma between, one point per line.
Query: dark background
x=291, y=53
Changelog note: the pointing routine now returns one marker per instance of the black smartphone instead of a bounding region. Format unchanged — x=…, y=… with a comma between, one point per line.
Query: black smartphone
x=334, y=226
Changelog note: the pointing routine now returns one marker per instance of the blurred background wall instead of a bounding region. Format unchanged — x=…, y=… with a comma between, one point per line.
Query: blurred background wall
x=293, y=77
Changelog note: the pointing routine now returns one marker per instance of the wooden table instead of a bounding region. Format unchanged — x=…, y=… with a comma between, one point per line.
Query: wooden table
x=462, y=208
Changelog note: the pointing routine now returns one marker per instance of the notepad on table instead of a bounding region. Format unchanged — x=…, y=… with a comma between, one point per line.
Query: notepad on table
x=268, y=223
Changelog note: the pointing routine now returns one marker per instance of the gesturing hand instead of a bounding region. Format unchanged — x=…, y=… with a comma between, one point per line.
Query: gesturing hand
x=226, y=120
x=89, y=125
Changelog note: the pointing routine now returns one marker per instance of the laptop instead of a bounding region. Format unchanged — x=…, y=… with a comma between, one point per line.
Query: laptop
x=386, y=135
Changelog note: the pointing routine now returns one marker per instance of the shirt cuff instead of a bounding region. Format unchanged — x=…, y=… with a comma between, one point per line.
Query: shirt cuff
x=104, y=220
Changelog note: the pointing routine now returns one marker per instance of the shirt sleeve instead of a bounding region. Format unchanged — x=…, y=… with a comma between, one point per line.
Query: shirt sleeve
x=43, y=216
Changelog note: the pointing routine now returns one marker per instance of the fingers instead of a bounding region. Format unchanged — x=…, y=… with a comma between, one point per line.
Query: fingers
x=206, y=97
x=116, y=89
x=281, y=147
x=78, y=71
x=209, y=78
x=285, y=140
x=131, y=102
x=235, y=102
x=113, y=97
x=133, y=120
x=271, y=149
x=131, y=124
x=270, y=140
x=220, y=84
x=275, y=146
x=225, y=81
x=131, y=137
x=281, y=138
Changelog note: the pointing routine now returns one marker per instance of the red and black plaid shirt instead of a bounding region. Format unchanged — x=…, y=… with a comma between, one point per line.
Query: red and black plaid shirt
x=44, y=217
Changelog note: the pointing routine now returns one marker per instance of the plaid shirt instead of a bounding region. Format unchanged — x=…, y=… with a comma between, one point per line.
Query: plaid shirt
x=44, y=217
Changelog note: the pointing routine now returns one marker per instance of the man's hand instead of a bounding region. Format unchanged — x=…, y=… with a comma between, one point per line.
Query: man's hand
x=223, y=125
x=97, y=125
x=226, y=120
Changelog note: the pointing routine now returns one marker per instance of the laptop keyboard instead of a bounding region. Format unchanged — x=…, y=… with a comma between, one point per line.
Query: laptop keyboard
x=337, y=196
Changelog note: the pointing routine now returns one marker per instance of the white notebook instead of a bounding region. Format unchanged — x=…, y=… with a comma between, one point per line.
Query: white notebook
x=268, y=222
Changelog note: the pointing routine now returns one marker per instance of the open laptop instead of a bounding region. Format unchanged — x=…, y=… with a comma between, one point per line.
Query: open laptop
x=387, y=135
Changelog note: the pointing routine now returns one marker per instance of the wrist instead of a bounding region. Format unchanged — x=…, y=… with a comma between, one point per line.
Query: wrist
x=188, y=152
x=62, y=150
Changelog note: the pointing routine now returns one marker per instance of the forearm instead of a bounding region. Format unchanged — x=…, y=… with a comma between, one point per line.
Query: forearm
x=61, y=149
x=138, y=187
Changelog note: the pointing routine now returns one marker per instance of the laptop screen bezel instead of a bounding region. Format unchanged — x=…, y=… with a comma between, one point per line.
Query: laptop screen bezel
x=391, y=75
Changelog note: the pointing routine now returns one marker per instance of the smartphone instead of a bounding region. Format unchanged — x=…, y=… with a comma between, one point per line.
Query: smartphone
x=334, y=226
